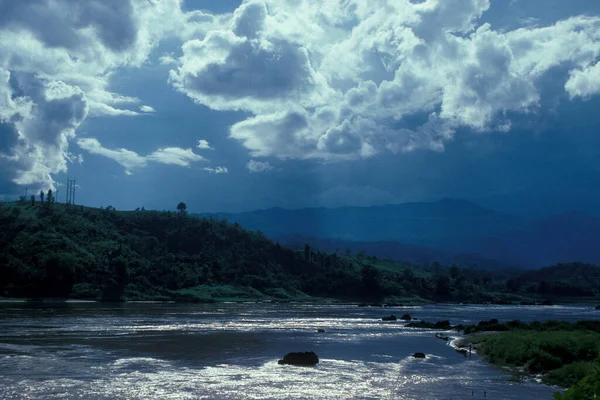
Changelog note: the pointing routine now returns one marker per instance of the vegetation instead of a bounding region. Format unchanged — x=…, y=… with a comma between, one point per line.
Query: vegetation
x=55, y=250
x=564, y=353
x=584, y=389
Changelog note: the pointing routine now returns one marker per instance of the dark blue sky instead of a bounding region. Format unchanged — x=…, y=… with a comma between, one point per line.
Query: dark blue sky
x=301, y=106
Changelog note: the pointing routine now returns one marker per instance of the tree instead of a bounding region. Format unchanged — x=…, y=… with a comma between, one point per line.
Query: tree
x=408, y=275
x=454, y=271
x=370, y=280
x=42, y=197
x=487, y=278
x=442, y=286
x=182, y=208
x=307, y=252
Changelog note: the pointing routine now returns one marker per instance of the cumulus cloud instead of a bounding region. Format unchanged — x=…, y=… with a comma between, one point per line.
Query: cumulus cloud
x=56, y=58
x=317, y=79
x=333, y=79
x=585, y=82
x=258, y=166
x=204, y=145
x=131, y=160
x=217, y=170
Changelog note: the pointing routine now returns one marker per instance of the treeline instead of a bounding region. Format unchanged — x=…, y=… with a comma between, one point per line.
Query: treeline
x=57, y=250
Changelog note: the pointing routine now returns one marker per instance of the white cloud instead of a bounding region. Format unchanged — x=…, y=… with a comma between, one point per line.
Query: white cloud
x=204, y=145
x=175, y=156
x=329, y=79
x=56, y=60
x=320, y=79
x=584, y=82
x=128, y=159
x=258, y=166
x=147, y=109
x=131, y=160
x=217, y=170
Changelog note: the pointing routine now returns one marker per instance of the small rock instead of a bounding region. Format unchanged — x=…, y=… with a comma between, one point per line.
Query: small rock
x=442, y=325
x=406, y=317
x=390, y=318
x=419, y=355
x=321, y=330
x=597, y=307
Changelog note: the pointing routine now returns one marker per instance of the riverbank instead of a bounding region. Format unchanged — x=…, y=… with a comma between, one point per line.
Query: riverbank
x=554, y=353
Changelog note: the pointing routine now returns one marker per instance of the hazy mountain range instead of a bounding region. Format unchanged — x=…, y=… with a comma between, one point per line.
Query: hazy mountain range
x=449, y=230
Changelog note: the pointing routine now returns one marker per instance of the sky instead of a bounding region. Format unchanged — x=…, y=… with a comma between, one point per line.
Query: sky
x=240, y=105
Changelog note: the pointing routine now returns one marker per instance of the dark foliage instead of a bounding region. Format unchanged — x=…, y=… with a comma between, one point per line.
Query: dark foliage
x=68, y=251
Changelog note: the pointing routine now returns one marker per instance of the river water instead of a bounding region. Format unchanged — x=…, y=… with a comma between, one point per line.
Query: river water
x=230, y=351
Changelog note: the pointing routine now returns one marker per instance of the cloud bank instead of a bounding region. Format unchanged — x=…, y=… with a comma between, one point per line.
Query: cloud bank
x=335, y=79
x=319, y=79
x=56, y=59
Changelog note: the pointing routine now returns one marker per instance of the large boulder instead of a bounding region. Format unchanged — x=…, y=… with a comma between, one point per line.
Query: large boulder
x=390, y=318
x=406, y=317
x=597, y=307
x=300, y=358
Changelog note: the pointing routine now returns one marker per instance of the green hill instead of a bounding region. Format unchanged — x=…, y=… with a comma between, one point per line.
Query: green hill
x=56, y=250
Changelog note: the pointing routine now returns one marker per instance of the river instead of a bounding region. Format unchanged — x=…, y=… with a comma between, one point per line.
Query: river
x=230, y=351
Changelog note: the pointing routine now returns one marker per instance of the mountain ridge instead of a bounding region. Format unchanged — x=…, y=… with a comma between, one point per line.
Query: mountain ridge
x=444, y=228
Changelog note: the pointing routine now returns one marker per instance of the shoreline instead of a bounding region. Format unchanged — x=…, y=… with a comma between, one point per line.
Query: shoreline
x=312, y=300
x=461, y=342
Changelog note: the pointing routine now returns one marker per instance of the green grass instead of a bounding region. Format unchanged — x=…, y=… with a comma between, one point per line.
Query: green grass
x=563, y=356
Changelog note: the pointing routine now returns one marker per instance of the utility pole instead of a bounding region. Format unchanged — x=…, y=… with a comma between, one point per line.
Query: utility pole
x=70, y=198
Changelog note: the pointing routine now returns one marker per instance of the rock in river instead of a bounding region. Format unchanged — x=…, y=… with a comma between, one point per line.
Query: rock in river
x=300, y=358
x=390, y=318
x=419, y=355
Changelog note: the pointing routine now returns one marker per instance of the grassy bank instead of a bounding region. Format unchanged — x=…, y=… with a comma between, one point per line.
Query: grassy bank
x=560, y=353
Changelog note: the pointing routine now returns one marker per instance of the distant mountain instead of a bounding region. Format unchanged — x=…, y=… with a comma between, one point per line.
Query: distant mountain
x=396, y=251
x=445, y=224
x=565, y=238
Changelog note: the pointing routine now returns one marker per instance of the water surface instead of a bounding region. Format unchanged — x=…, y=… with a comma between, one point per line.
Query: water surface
x=230, y=351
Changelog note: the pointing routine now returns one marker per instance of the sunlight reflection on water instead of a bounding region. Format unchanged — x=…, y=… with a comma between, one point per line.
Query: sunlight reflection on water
x=204, y=352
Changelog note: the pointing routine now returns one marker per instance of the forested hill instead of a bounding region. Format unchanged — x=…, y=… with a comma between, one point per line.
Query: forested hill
x=55, y=250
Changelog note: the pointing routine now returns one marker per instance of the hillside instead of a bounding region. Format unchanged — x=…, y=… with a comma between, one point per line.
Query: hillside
x=564, y=238
x=55, y=250
x=397, y=251
x=443, y=224
x=448, y=231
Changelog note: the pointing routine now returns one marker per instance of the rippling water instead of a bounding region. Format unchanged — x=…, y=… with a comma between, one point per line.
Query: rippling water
x=230, y=351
